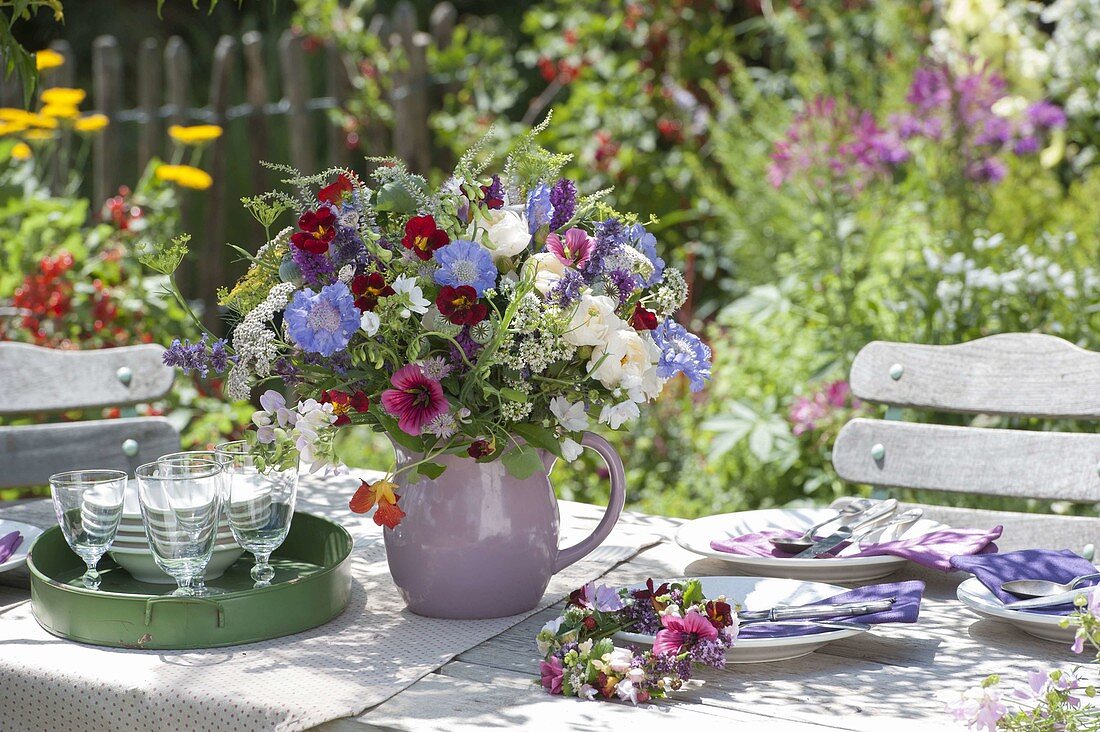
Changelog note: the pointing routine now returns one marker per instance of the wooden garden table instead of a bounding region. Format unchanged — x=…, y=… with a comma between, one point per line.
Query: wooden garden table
x=895, y=678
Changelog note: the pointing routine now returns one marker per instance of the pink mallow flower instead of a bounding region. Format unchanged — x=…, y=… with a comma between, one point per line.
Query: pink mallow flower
x=552, y=673
x=682, y=633
x=415, y=399
x=574, y=251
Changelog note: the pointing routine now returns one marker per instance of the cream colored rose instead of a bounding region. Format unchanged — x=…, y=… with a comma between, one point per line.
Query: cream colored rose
x=507, y=233
x=593, y=321
x=545, y=269
x=625, y=361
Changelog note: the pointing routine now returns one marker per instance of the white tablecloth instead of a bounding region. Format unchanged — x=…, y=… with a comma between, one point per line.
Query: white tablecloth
x=372, y=651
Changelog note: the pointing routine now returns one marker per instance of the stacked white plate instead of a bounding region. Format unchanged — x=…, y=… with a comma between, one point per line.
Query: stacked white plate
x=131, y=546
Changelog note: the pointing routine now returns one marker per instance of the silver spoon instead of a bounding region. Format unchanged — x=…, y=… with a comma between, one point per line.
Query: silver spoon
x=794, y=546
x=1044, y=588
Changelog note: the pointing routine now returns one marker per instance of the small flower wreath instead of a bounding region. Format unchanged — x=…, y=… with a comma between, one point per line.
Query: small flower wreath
x=581, y=660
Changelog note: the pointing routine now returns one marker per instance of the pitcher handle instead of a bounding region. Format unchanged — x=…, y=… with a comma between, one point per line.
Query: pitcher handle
x=614, y=504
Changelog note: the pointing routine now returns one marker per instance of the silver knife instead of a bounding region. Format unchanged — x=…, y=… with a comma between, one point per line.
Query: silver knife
x=841, y=535
x=809, y=612
x=1051, y=601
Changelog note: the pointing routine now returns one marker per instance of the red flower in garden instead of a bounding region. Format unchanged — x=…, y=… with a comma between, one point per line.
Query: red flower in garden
x=423, y=237
x=335, y=192
x=342, y=403
x=651, y=593
x=643, y=319
x=479, y=449
x=317, y=230
x=368, y=288
x=720, y=613
x=388, y=515
x=414, y=399
x=379, y=494
x=460, y=306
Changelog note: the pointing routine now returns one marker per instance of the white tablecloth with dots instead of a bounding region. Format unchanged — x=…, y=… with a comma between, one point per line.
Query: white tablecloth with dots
x=372, y=651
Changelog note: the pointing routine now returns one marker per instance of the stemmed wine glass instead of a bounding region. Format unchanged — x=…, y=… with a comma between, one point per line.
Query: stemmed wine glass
x=88, y=504
x=261, y=504
x=200, y=587
x=180, y=504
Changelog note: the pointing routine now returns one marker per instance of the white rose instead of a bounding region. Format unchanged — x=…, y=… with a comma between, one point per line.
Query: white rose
x=625, y=360
x=619, y=660
x=507, y=233
x=545, y=269
x=593, y=321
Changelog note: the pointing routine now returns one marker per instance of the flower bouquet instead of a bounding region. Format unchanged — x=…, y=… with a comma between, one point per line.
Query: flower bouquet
x=580, y=659
x=491, y=318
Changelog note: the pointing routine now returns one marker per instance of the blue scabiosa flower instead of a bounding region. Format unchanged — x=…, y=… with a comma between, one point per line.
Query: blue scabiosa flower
x=539, y=208
x=646, y=243
x=323, y=322
x=465, y=262
x=681, y=353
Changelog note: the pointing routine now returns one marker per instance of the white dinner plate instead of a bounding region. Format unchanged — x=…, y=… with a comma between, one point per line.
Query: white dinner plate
x=696, y=536
x=981, y=601
x=756, y=593
x=19, y=556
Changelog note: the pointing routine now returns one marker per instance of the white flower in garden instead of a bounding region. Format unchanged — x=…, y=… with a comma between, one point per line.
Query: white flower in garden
x=619, y=660
x=545, y=269
x=627, y=360
x=616, y=415
x=507, y=233
x=570, y=416
x=626, y=689
x=585, y=648
x=547, y=636
x=593, y=322
x=369, y=323
x=571, y=449
x=587, y=692
x=408, y=288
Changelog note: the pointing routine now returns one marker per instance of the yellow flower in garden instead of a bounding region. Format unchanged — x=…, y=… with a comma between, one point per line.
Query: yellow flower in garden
x=21, y=151
x=186, y=176
x=195, y=134
x=10, y=128
x=38, y=135
x=48, y=59
x=60, y=111
x=92, y=123
x=63, y=96
x=40, y=120
x=8, y=114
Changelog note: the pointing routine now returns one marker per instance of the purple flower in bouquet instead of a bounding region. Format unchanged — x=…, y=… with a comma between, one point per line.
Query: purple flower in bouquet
x=682, y=352
x=197, y=356
x=611, y=237
x=572, y=250
x=646, y=243
x=539, y=208
x=323, y=322
x=414, y=399
x=563, y=197
x=604, y=598
x=622, y=284
x=347, y=247
x=683, y=633
x=551, y=673
x=1046, y=115
x=567, y=290
x=316, y=269
x=465, y=262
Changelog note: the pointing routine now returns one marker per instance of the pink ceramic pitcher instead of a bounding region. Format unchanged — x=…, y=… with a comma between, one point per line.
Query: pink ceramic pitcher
x=479, y=543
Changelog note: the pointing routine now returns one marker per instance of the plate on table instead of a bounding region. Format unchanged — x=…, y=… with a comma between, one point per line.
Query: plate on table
x=981, y=601
x=696, y=536
x=19, y=556
x=758, y=593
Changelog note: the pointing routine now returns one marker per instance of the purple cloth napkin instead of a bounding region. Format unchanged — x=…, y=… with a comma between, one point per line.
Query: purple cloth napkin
x=1049, y=564
x=8, y=544
x=933, y=549
x=905, y=610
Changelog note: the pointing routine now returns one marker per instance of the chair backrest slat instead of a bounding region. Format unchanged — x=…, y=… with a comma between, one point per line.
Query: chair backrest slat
x=30, y=454
x=1016, y=374
x=34, y=379
x=1016, y=463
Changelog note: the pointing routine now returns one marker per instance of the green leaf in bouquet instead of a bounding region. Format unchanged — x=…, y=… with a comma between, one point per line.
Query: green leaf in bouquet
x=514, y=395
x=537, y=436
x=522, y=462
x=402, y=438
x=693, y=592
x=431, y=470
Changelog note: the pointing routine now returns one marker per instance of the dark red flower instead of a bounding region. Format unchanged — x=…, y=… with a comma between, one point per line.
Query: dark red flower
x=589, y=623
x=367, y=289
x=359, y=401
x=317, y=230
x=460, y=306
x=342, y=403
x=479, y=449
x=335, y=192
x=643, y=319
x=423, y=237
x=720, y=613
x=493, y=194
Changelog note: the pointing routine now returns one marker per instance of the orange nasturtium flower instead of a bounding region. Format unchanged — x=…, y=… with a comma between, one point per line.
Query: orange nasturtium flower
x=63, y=96
x=91, y=123
x=186, y=176
x=48, y=59
x=380, y=494
x=194, y=134
x=21, y=151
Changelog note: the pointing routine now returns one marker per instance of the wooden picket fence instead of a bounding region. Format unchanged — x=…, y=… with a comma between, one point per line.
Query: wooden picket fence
x=244, y=89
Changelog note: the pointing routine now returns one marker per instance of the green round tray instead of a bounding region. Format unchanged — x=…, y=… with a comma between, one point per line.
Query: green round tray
x=312, y=585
